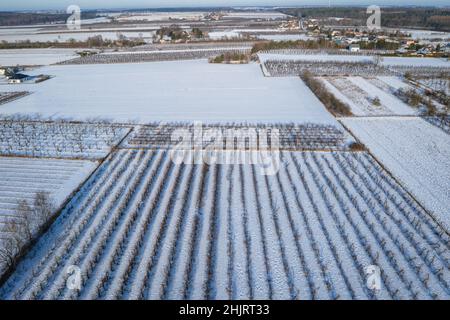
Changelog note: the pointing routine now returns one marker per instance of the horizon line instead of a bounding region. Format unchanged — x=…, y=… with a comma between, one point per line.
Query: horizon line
x=243, y=7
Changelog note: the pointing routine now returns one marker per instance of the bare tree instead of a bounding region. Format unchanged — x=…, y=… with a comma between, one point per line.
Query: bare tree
x=19, y=233
x=42, y=209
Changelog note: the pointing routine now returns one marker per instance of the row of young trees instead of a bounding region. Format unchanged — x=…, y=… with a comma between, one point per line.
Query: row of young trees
x=236, y=136
x=152, y=56
x=57, y=139
x=294, y=44
x=286, y=68
x=308, y=232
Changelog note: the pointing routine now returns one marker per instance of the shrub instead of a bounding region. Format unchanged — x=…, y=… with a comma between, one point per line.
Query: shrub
x=357, y=146
x=376, y=102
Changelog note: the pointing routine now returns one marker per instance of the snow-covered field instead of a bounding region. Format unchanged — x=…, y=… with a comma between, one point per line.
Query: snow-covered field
x=438, y=84
x=45, y=35
x=27, y=57
x=386, y=61
x=58, y=139
x=160, y=16
x=291, y=137
x=145, y=228
x=218, y=35
x=265, y=34
x=256, y=15
x=359, y=93
x=22, y=178
x=154, y=55
x=416, y=153
x=284, y=37
x=169, y=91
x=427, y=34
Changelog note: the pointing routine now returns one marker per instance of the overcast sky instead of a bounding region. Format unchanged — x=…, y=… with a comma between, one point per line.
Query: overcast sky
x=92, y=4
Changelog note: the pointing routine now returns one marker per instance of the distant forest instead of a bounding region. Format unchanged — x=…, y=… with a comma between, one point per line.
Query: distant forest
x=427, y=18
x=29, y=18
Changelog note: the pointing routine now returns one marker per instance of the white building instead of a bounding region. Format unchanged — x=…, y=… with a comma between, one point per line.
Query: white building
x=354, y=48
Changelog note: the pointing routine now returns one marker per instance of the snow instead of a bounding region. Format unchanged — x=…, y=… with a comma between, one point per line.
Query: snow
x=314, y=57
x=64, y=35
x=258, y=33
x=22, y=178
x=426, y=34
x=160, y=16
x=359, y=93
x=13, y=57
x=386, y=61
x=218, y=35
x=77, y=36
x=416, y=62
x=256, y=15
x=284, y=37
x=395, y=82
x=415, y=152
x=290, y=236
x=169, y=91
x=29, y=175
x=58, y=140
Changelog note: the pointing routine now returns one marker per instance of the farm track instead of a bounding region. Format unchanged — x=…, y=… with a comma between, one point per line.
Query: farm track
x=144, y=228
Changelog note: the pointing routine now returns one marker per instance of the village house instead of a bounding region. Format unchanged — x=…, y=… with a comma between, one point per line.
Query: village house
x=354, y=48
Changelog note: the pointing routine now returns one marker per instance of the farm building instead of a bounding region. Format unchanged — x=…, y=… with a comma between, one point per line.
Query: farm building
x=354, y=48
x=17, y=78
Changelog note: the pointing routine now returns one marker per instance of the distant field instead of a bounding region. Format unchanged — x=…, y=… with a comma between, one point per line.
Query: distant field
x=170, y=91
x=65, y=35
x=415, y=152
x=30, y=57
x=387, y=61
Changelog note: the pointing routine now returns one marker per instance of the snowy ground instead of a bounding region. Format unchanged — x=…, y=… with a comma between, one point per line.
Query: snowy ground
x=160, y=16
x=58, y=140
x=64, y=35
x=218, y=35
x=438, y=84
x=28, y=57
x=415, y=152
x=264, y=34
x=359, y=93
x=22, y=178
x=256, y=15
x=427, y=34
x=284, y=37
x=386, y=61
x=169, y=91
x=144, y=228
